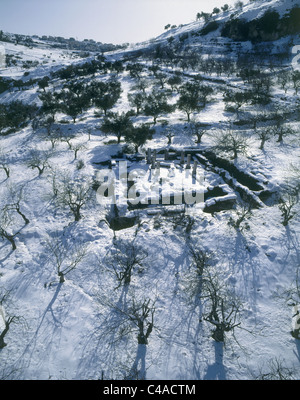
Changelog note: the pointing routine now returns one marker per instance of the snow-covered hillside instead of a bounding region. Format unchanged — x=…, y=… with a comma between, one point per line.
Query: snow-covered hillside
x=93, y=290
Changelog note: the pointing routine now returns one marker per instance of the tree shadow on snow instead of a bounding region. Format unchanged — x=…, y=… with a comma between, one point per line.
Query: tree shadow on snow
x=138, y=369
x=216, y=371
x=291, y=243
x=297, y=343
x=31, y=346
x=244, y=259
x=102, y=344
x=7, y=255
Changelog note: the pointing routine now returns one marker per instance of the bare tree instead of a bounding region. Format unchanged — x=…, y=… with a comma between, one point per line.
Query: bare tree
x=232, y=142
x=65, y=254
x=3, y=163
x=193, y=280
x=196, y=129
x=134, y=316
x=124, y=257
x=54, y=179
x=264, y=134
x=275, y=371
x=6, y=319
x=54, y=137
x=242, y=214
x=67, y=138
x=281, y=131
x=89, y=131
x=6, y=222
x=39, y=160
x=73, y=194
x=141, y=314
x=287, y=205
x=16, y=197
x=76, y=147
x=222, y=307
x=170, y=136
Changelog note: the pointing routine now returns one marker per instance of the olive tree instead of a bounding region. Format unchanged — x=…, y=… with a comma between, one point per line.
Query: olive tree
x=4, y=162
x=136, y=100
x=133, y=316
x=241, y=215
x=197, y=129
x=73, y=194
x=124, y=258
x=6, y=223
x=76, y=147
x=156, y=104
x=282, y=130
x=193, y=279
x=189, y=98
x=276, y=370
x=287, y=205
x=138, y=135
x=39, y=160
x=15, y=200
x=65, y=254
x=222, y=307
x=264, y=134
x=117, y=124
x=5, y=317
x=231, y=142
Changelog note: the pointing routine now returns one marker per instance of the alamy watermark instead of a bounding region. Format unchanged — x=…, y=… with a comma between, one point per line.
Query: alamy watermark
x=296, y=59
x=165, y=186
x=2, y=56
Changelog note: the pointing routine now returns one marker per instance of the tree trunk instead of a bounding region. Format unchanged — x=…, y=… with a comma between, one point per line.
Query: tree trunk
x=262, y=144
x=280, y=137
x=199, y=137
x=218, y=334
x=6, y=169
x=41, y=170
x=77, y=214
x=4, y=332
x=26, y=220
x=61, y=277
x=2, y=343
x=11, y=239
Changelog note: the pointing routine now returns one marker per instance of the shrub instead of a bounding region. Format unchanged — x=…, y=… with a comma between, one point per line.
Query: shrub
x=15, y=115
x=210, y=27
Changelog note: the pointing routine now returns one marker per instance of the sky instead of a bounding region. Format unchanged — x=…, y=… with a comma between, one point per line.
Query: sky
x=107, y=21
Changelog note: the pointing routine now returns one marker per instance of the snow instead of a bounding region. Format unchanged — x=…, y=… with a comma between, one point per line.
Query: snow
x=68, y=330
